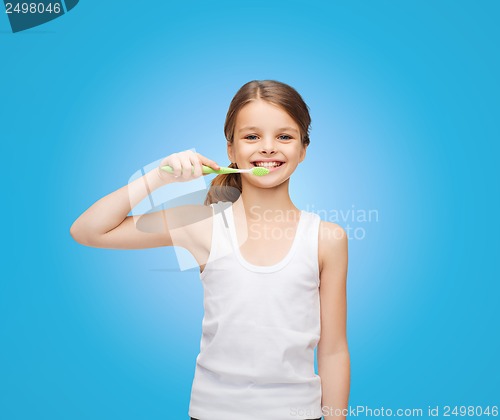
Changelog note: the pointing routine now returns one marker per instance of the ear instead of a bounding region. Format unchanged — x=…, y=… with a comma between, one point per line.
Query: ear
x=230, y=153
x=302, y=153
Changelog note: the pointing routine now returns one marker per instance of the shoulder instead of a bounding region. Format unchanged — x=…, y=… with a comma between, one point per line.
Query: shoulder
x=331, y=236
x=332, y=243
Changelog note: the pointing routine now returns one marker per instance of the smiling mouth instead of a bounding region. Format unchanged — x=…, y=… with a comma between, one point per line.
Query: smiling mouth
x=267, y=164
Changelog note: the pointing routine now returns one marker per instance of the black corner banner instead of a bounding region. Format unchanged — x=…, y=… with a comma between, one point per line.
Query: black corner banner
x=28, y=14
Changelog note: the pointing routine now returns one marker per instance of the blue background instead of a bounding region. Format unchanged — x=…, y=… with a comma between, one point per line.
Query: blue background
x=404, y=102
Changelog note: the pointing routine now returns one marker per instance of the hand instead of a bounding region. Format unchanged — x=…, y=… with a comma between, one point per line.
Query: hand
x=182, y=163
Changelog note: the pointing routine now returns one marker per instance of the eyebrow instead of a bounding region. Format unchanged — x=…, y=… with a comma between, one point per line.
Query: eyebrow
x=257, y=128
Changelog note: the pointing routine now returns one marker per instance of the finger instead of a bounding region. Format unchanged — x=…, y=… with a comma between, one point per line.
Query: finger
x=175, y=164
x=186, y=165
x=208, y=162
x=195, y=161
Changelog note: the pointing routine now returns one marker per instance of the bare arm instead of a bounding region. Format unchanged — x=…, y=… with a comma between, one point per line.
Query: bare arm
x=106, y=225
x=111, y=211
x=333, y=352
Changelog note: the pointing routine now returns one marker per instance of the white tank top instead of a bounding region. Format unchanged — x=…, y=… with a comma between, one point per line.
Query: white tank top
x=259, y=331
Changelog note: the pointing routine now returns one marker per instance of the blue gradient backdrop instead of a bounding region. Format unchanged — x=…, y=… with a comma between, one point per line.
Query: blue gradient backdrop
x=404, y=101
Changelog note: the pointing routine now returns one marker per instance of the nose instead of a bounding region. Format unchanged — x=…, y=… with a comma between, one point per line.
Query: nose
x=268, y=146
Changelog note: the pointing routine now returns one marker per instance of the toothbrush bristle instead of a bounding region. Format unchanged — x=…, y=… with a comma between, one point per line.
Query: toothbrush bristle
x=259, y=171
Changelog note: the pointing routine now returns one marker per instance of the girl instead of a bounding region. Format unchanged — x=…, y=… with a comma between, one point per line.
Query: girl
x=274, y=276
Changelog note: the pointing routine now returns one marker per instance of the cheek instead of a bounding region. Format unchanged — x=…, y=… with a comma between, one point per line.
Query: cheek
x=295, y=154
x=244, y=150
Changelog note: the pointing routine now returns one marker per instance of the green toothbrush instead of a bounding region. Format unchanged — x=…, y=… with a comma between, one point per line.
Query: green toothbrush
x=259, y=171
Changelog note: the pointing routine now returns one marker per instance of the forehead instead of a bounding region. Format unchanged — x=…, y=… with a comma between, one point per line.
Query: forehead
x=263, y=114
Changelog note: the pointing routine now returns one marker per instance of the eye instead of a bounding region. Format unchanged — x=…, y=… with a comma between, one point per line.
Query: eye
x=285, y=137
x=251, y=137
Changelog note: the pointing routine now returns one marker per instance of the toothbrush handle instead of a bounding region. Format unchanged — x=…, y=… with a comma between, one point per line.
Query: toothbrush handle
x=205, y=169
x=208, y=170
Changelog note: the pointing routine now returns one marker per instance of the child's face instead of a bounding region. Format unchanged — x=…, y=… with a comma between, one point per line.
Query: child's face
x=264, y=131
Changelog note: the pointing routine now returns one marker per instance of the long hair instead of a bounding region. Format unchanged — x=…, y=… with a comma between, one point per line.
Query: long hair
x=227, y=187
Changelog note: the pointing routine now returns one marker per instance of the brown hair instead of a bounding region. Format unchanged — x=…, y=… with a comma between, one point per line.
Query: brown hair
x=227, y=187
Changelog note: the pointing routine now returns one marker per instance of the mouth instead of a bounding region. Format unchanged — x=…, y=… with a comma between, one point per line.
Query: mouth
x=271, y=165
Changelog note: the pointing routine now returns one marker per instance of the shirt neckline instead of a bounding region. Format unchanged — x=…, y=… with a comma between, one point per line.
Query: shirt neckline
x=263, y=268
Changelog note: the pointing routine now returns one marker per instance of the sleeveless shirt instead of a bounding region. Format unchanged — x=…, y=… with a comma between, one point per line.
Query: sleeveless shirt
x=260, y=327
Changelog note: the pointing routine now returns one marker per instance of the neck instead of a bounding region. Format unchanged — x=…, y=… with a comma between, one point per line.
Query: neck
x=265, y=204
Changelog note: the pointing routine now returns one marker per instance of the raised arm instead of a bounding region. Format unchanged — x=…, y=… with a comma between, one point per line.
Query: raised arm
x=106, y=225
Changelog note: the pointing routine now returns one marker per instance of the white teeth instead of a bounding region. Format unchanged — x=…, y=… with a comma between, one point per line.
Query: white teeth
x=267, y=164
